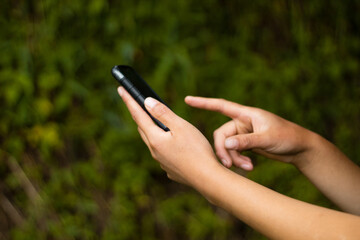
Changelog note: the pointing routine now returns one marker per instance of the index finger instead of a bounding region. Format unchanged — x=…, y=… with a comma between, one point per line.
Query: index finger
x=222, y=106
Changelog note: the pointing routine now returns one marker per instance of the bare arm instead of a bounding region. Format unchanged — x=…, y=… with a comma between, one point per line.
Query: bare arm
x=187, y=157
x=275, y=215
x=265, y=133
x=333, y=174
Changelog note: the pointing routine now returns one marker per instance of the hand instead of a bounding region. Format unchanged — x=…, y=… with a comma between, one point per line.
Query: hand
x=253, y=129
x=183, y=152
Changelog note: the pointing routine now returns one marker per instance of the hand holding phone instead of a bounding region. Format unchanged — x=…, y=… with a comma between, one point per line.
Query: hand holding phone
x=137, y=88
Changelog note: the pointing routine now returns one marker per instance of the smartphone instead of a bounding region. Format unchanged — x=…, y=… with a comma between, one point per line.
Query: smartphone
x=137, y=88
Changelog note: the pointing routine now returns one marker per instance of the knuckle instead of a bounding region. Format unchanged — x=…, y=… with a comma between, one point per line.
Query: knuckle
x=218, y=153
x=134, y=117
x=221, y=105
x=155, y=144
x=224, y=101
x=220, y=150
x=244, y=142
x=153, y=155
x=160, y=110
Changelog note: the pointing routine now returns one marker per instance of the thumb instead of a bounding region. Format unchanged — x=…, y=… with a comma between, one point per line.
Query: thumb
x=161, y=112
x=244, y=142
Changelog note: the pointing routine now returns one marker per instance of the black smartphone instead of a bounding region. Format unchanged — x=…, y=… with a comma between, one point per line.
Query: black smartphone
x=137, y=88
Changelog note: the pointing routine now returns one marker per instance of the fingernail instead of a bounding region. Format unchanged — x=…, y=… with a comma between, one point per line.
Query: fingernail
x=150, y=102
x=231, y=143
x=246, y=166
x=187, y=98
x=224, y=161
x=120, y=91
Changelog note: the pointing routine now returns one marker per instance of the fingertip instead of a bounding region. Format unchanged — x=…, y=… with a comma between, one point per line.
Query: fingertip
x=120, y=91
x=242, y=161
x=162, y=113
x=247, y=166
x=188, y=99
x=226, y=162
x=150, y=102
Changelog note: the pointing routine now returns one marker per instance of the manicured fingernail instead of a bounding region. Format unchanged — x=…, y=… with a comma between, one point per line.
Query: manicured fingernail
x=150, y=102
x=120, y=91
x=246, y=166
x=231, y=143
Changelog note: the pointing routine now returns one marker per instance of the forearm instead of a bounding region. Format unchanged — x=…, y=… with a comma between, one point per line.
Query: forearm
x=274, y=215
x=332, y=173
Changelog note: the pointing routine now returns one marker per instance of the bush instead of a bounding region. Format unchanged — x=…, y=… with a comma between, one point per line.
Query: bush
x=72, y=163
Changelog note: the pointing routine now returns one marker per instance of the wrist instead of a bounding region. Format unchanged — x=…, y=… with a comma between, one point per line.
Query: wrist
x=202, y=177
x=311, y=149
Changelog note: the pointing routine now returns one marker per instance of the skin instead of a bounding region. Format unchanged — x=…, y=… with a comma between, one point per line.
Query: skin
x=187, y=157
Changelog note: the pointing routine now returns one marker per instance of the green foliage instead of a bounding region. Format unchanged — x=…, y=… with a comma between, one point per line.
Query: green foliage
x=63, y=122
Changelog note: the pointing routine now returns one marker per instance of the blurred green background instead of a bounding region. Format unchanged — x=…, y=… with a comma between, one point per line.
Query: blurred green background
x=72, y=164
